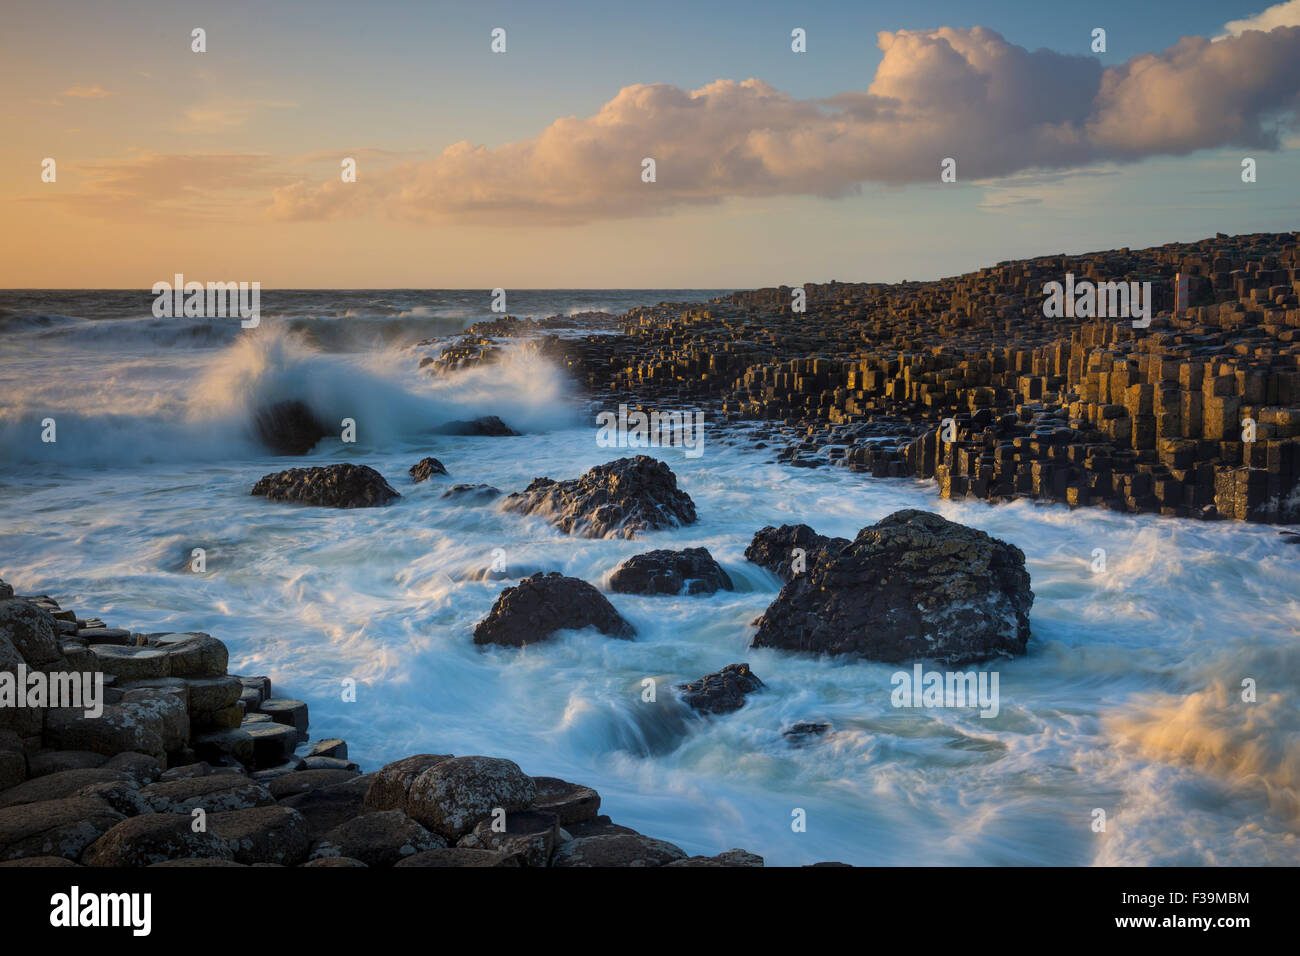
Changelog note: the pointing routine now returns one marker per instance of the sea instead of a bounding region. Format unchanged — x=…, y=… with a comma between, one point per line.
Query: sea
x=1152, y=721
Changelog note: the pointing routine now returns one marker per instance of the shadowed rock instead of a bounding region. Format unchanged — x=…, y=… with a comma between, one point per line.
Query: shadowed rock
x=540, y=605
x=425, y=468
x=288, y=428
x=486, y=425
x=669, y=572
x=333, y=486
x=722, y=691
x=913, y=585
x=774, y=548
x=616, y=499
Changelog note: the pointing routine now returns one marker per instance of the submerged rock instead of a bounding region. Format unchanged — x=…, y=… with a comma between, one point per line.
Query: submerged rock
x=288, y=428
x=721, y=692
x=426, y=468
x=540, y=605
x=913, y=585
x=669, y=572
x=467, y=492
x=774, y=548
x=486, y=425
x=616, y=499
x=333, y=486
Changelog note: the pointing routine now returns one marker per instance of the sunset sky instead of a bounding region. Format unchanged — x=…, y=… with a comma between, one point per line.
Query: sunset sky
x=523, y=169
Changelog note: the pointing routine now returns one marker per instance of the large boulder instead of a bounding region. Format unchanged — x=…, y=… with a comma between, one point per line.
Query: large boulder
x=662, y=571
x=489, y=425
x=775, y=548
x=381, y=838
x=913, y=585
x=426, y=468
x=54, y=827
x=540, y=605
x=617, y=849
x=452, y=796
x=288, y=428
x=614, y=500
x=722, y=691
x=333, y=486
x=32, y=632
x=263, y=834
x=155, y=837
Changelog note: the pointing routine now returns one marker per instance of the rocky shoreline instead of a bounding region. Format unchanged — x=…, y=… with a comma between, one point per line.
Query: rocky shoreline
x=1195, y=415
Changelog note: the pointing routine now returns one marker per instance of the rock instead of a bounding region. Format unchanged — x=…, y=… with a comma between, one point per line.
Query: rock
x=213, y=793
x=333, y=486
x=570, y=802
x=153, y=838
x=476, y=493
x=540, y=605
x=291, y=713
x=41, y=861
x=670, y=572
x=32, y=632
x=913, y=585
x=601, y=825
x=458, y=856
x=486, y=425
x=452, y=796
x=192, y=654
x=377, y=839
x=121, y=727
x=617, y=499
x=263, y=834
x=620, y=849
x=329, y=747
x=529, y=835
x=426, y=468
x=392, y=782
x=272, y=743
x=326, y=808
x=292, y=784
x=58, y=786
x=198, y=861
x=335, y=861
x=140, y=767
x=236, y=744
x=212, y=694
x=729, y=858
x=13, y=762
x=721, y=692
x=774, y=548
x=55, y=827
x=799, y=733
x=6, y=590
x=288, y=428
x=122, y=795
x=131, y=663
x=53, y=761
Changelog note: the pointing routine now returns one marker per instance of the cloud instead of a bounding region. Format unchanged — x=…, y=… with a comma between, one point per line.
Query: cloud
x=223, y=115
x=1279, y=15
x=86, y=92
x=997, y=108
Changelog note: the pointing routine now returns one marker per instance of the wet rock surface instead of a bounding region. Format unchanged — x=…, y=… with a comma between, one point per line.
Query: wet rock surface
x=914, y=585
x=618, y=499
x=426, y=468
x=333, y=486
x=692, y=571
x=783, y=550
x=544, y=603
x=721, y=692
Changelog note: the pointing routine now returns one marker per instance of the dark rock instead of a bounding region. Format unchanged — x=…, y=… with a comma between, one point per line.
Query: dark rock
x=669, y=572
x=619, y=849
x=345, y=861
x=728, y=858
x=478, y=492
x=54, y=761
x=213, y=793
x=55, y=827
x=721, y=692
x=452, y=796
x=529, y=835
x=291, y=784
x=570, y=802
x=288, y=428
x=540, y=605
x=458, y=856
x=425, y=468
x=326, y=808
x=617, y=499
x=486, y=425
x=333, y=486
x=58, y=786
x=381, y=838
x=800, y=732
x=152, y=838
x=913, y=585
x=774, y=548
x=263, y=834
x=391, y=783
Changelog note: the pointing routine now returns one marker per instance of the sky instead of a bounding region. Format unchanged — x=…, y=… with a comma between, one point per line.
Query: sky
x=525, y=168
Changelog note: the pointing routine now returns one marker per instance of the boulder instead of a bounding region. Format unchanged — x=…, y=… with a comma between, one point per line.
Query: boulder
x=691, y=570
x=774, y=548
x=426, y=468
x=273, y=834
x=292, y=784
x=59, y=786
x=53, y=761
x=721, y=692
x=458, y=856
x=326, y=808
x=391, y=783
x=120, y=728
x=913, y=585
x=452, y=796
x=540, y=605
x=485, y=425
x=288, y=428
x=570, y=802
x=334, y=486
x=153, y=838
x=381, y=838
x=213, y=793
x=529, y=835
x=728, y=858
x=617, y=849
x=54, y=827
x=617, y=499
x=473, y=493
x=32, y=632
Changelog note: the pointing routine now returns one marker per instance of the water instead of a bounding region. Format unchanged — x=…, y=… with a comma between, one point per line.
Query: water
x=1128, y=701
